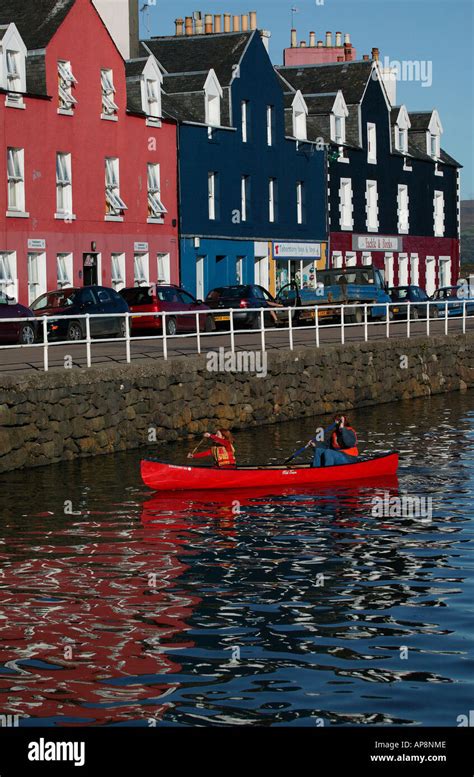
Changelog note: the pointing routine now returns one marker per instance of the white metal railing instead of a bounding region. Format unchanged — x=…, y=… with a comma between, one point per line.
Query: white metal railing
x=337, y=312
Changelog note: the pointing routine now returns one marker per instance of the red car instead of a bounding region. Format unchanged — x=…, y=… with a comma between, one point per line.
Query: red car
x=160, y=298
x=19, y=332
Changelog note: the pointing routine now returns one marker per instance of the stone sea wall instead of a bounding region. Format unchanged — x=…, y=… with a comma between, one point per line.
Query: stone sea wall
x=49, y=417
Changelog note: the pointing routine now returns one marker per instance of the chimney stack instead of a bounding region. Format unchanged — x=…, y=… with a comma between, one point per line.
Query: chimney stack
x=253, y=20
x=245, y=23
x=179, y=26
x=366, y=57
x=208, y=23
x=217, y=22
x=312, y=39
x=188, y=25
x=329, y=39
x=227, y=22
x=340, y=58
x=293, y=39
x=348, y=52
x=338, y=38
x=375, y=55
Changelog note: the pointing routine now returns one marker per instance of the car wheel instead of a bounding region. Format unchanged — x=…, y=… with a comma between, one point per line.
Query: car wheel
x=27, y=335
x=171, y=327
x=255, y=322
x=390, y=316
x=210, y=325
x=74, y=331
x=122, y=329
x=434, y=312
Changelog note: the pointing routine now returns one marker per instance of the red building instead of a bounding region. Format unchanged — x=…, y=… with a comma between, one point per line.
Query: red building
x=89, y=164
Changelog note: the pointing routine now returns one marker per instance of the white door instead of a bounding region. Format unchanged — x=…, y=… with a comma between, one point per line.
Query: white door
x=388, y=266
x=37, y=284
x=414, y=270
x=163, y=268
x=444, y=271
x=403, y=269
x=261, y=271
x=200, y=277
x=430, y=282
x=239, y=269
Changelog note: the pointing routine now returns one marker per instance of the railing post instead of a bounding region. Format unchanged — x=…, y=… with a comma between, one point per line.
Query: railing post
x=232, y=332
x=408, y=318
x=45, y=344
x=366, y=323
x=464, y=317
x=262, y=329
x=165, y=342
x=198, y=333
x=343, y=337
x=290, y=328
x=127, y=337
x=446, y=318
x=88, y=339
x=316, y=325
x=428, y=319
x=387, y=320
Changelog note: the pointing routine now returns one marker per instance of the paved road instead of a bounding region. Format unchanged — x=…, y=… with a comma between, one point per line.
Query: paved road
x=26, y=359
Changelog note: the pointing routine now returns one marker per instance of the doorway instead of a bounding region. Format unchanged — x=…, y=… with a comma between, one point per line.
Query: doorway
x=90, y=269
x=200, y=277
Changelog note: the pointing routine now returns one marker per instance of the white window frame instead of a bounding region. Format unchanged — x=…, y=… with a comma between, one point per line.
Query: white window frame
x=300, y=131
x=150, y=87
x=403, y=266
x=63, y=186
x=270, y=122
x=371, y=206
x=141, y=269
x=401, y=139
x=438, y=213
x=118, y=270
x=444, y=278
x=351, y=258
x=64, y=269
x=109, y=106
x=212, y=100
x=16, y=182
x=211, y=195
x=244, y=195
x=163, y=267
x=403, y=210
x=244, y=105
x=115, y=206
x=66, y=84
x=346, y=207
x=300, y=202
x=337, y=120
x=414, y=270
x=36, y=274
x=272, y=193
x=156, y=209
x=13, y=67
x=371, y=143
x=389, y=269
x=336, y=260
x=8, y=274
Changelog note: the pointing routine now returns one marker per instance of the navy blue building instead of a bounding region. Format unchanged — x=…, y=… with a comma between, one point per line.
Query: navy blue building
x=252, y=186
x=393, y=192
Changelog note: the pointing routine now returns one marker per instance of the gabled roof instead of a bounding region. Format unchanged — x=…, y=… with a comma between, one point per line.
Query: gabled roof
x=37, y=20
x=420, y=121
x=350, y=77
x=196, y=53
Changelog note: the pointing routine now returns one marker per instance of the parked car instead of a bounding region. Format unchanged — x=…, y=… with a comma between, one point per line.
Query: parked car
x=354, y=285
x=245, y=299
x=62, y=305
x=160, y=298
x=23, y=333
x=419, y=302
x=454, y=297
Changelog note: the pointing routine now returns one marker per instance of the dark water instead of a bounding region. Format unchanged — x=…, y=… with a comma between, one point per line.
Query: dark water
x=244, y=609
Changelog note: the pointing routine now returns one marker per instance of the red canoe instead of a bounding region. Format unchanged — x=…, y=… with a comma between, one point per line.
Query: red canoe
x=170, y=477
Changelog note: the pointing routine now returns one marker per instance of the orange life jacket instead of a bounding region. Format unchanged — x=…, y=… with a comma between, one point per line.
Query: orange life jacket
x=224, y=455
x=338, y=446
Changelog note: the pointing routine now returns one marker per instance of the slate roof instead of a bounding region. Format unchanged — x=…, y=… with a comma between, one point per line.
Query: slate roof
x=420, y=121
x=37, y=20
x=350, y=77
x=194, y=53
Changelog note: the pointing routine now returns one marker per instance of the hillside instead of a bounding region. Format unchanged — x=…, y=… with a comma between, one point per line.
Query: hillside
x=467, y=232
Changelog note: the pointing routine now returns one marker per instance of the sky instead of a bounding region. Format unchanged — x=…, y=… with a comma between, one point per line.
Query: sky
x=437, y=34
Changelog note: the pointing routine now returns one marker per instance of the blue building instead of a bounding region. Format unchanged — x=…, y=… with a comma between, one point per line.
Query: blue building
x=252, y=185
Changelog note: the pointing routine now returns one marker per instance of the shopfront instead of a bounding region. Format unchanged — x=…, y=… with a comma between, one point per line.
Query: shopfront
x=297, y=262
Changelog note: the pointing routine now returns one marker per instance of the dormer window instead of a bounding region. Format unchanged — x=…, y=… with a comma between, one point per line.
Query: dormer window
x=66, y=82
x=433, y=136
x=402, y=125
x=300, y=113
x=109, y=107
x=13, y=67
x=213, y=96
x=151, y=81
x=338, y=117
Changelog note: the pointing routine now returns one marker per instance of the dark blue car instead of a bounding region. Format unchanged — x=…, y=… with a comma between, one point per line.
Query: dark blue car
x=418, y=299
x=454, y=297
x=63, y=305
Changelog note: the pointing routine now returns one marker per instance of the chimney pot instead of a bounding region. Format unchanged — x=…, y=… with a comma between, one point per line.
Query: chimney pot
x=366, y=57
x=208, y=23
x=293, y=39
x=253, y=20
x=227, y=22
x=329, y=39
x=338, y=38
x=179, y=26
x=375, y=54
x=189, y=25
x=347, y=38
x=236, y=25
x=312, y=39
x=245, y=22
x=303, y=44
x=217, y=22
x=340, y=58
x=320, y=43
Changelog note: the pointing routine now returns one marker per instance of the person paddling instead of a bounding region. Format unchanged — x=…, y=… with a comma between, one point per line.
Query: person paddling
x=342, y=445
x=222, y=449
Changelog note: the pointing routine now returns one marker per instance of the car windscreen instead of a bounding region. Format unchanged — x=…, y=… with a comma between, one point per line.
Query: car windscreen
x=229, y=292
x=399, y=294
x=358, y=275
x=55, y=299
x=141, y=295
